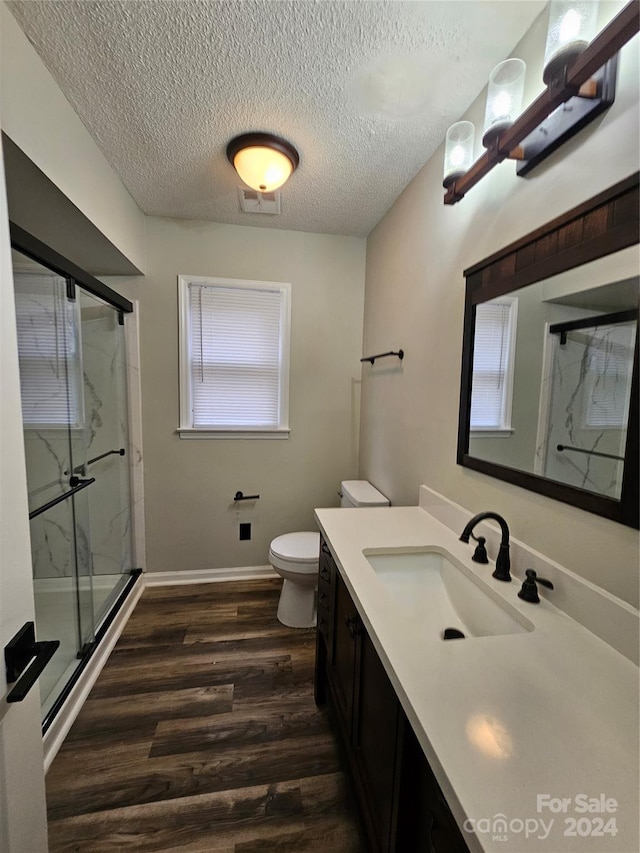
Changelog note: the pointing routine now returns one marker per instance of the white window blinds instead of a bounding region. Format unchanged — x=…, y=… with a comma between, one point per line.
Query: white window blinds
x=48, y=352
x=238, y=355
x=493, y=365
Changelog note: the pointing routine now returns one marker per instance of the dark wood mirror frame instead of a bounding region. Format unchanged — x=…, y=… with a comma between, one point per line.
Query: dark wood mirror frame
x=605, y=224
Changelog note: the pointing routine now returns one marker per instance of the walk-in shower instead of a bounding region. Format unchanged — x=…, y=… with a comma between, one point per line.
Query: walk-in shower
x=73, y=376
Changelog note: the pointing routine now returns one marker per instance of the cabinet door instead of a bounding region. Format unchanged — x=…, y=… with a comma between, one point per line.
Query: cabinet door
x=343, y=661
x=425, y=822
x=376, y=741
x=326, y=584
x=327, y=572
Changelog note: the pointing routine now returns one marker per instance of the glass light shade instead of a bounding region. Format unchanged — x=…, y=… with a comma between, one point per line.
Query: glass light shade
x=458, y=151
x=263, y=169
x=572, y=25
x=504, y=98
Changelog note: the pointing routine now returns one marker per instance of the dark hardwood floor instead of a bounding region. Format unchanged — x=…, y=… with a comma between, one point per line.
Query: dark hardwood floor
x=201, y=734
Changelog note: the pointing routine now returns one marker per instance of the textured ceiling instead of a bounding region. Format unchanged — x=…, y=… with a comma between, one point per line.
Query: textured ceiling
x=364, y=89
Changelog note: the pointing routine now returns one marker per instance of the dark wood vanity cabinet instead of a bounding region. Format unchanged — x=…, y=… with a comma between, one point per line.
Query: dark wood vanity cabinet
x=400, y=803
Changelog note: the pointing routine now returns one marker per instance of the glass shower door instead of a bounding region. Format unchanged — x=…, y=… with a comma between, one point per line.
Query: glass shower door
x=71, y=350
x=106, y=441
x=52, y=409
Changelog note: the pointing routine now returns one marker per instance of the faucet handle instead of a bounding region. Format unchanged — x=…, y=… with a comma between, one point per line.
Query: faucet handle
x=529, y=590
x=480, y=554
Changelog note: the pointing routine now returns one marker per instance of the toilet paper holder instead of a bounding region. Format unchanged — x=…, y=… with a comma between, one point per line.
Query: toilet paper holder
x=241, y=497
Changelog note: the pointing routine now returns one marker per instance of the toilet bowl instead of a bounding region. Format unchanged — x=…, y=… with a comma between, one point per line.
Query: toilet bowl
x=294, y=556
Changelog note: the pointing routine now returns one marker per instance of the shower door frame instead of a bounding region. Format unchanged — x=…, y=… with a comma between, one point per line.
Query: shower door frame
x=38, y=251
x=29, y=245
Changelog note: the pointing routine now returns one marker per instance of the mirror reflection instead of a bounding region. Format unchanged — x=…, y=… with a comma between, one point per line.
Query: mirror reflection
x=552, y=370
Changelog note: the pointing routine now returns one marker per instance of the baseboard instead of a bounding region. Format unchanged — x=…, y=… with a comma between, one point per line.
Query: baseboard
x=59, y=728
x=208, y=575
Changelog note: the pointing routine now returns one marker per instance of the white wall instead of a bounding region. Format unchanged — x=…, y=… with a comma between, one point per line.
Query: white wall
x=23, y=822
x=35, y=114
x=415, y=297
x=191, y=522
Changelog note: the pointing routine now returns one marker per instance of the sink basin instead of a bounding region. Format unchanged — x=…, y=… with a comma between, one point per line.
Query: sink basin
x=437, y=592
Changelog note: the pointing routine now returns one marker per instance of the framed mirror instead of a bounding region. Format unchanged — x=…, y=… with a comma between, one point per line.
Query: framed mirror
x=549, y=388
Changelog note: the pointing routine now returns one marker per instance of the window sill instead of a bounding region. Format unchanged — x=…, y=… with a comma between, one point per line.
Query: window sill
x=185, y=432
x=505, y=432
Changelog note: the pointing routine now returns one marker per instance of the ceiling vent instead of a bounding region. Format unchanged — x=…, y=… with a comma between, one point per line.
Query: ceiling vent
x=251, y=201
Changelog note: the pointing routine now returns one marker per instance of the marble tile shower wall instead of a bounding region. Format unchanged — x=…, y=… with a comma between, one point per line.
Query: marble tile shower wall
x=589, y=398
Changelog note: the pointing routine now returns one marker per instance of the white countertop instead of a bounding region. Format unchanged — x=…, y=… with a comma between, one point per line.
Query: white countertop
x=504, y=719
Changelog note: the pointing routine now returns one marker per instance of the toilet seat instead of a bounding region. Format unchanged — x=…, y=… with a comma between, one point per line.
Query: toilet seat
x=296, y=552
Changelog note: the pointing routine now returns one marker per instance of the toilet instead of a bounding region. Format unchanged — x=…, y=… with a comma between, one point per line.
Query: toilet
x=294, y=556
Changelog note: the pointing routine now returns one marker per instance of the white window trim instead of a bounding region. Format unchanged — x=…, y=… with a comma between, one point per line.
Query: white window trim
x=504, y=430
x=492, y=432
x=186, y=430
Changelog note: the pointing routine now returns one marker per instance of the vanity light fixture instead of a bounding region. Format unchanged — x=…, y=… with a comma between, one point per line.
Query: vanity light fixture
x=580, y=78
x=458, y=153
x=264, y=161
x=572, y=25
x=504, y=99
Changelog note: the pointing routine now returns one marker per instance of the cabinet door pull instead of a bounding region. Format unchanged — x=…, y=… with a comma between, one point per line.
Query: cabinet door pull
x=432, y=822
x=432, y=849
x=354, y=625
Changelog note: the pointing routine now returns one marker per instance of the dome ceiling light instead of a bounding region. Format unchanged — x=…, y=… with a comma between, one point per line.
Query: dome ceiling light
x=263, y=161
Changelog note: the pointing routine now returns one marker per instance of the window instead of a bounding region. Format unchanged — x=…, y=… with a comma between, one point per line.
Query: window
x=48, y=352
x=234, y=358
x=493, y=360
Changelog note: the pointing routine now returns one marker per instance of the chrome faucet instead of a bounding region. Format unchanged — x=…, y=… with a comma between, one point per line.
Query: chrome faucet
x=503, y=563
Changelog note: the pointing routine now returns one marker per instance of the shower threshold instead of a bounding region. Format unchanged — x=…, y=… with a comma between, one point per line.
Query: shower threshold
x=70, y=674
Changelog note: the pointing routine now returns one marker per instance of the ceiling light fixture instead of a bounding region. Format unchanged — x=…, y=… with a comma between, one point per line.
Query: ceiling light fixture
x=263, y=161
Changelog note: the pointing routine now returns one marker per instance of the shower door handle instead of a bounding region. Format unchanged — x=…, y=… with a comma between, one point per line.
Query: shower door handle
x=25, y=659
x=78, y=483
x=77, y=486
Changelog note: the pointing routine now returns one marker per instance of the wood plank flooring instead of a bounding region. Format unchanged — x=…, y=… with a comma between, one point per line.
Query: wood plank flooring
x=201, y=734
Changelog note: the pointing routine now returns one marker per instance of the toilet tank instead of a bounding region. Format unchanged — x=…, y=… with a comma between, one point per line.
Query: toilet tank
x=360, y=493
